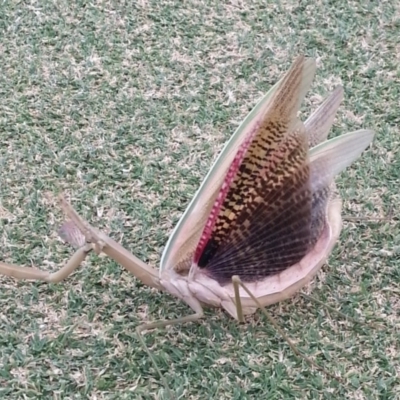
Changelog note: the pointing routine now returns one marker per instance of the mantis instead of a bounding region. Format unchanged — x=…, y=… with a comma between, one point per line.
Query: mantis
x=260, y=226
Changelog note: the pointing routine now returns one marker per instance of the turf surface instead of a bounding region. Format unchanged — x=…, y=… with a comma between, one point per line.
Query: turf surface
x=123, y=106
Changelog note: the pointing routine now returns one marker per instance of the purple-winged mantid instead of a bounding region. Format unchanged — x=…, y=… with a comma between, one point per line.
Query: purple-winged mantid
x=263, y=221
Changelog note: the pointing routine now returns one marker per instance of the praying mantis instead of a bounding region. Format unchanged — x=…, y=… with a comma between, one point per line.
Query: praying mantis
x=260, y=226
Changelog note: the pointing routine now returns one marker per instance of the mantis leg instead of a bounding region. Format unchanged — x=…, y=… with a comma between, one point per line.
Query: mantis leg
x=329, y=308
x=78, y=233
x=77, y=230
x=237, y=282
x=73, y=263
x=238, y=301
x=163, y=324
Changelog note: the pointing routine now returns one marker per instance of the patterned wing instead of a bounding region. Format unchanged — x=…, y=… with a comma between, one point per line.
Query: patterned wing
x=178, y=253
x=261, y=221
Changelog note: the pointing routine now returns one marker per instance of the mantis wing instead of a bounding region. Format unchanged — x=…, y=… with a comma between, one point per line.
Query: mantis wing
x=184, y=239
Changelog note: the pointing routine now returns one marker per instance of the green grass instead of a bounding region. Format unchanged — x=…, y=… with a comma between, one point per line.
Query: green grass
x=123, y=106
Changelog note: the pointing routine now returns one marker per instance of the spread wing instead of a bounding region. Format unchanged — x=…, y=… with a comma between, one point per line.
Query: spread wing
x=263, y=203
x=260, y=221
x=178, y=253
x=271, y=208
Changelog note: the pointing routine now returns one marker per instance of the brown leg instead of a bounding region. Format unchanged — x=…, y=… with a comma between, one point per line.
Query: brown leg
x=329, y=308
x=163, y=324
x=77, y=230
x=282, y=333
x=238, y=301
x=30, y=273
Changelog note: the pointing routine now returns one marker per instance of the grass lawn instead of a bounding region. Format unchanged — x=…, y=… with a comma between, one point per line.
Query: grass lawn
x=123, y=106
